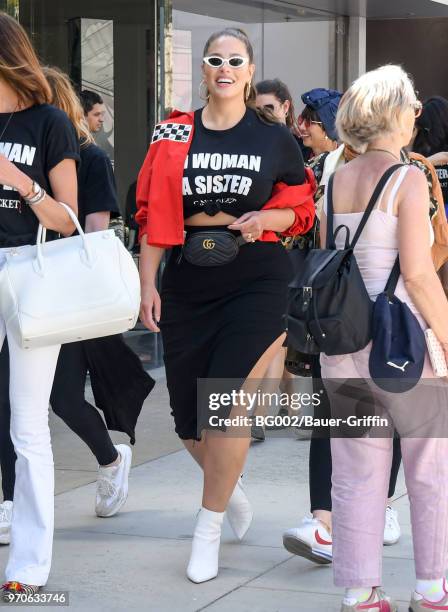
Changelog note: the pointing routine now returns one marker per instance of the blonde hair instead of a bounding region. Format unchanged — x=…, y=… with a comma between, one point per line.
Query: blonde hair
x=19, y=66
x=373, y=106
x=65, y=98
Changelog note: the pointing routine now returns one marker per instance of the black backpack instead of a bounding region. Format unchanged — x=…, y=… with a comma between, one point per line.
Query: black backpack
x=329, y=308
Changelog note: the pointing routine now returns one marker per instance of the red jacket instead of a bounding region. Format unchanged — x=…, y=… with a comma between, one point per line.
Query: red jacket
x=159, y=188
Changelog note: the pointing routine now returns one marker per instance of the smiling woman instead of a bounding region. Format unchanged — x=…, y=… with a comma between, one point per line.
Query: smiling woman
x=223, y=295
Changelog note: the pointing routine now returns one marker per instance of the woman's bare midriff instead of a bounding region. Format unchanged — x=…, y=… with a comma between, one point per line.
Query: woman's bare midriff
x=202, y=219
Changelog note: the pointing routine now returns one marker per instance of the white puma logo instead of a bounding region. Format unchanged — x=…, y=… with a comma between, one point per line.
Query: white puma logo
x=394, y=365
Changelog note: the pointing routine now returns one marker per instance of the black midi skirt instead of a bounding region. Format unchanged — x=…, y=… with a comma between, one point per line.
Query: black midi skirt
x=217, y=322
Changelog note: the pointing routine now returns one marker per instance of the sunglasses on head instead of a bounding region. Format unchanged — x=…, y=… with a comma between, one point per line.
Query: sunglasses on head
x=216, y=61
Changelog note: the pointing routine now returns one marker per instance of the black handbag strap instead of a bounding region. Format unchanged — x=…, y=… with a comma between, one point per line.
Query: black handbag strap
x=330, y=239
x=392, y=281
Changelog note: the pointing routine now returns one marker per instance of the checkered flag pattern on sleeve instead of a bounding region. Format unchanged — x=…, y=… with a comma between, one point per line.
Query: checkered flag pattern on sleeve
x=176, y=132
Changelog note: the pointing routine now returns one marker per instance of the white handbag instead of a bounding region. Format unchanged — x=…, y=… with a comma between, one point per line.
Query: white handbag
x=75, y=288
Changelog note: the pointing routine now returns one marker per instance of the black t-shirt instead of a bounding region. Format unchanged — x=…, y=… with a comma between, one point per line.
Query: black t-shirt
x=37, y=139
x=97, y=191
x=235, y=170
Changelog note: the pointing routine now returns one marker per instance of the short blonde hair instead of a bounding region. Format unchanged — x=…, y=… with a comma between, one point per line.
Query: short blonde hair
x=373, y=105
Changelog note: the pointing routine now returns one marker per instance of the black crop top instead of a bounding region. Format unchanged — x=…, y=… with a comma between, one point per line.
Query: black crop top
x=235, y=170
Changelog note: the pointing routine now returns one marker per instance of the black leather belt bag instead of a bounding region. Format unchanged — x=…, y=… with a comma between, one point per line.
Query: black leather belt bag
x=213, y=248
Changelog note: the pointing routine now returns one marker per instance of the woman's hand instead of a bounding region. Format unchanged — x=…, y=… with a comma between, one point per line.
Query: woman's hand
x=13, y=177
x=251, y=225
x=150, y=307
x=439, y=159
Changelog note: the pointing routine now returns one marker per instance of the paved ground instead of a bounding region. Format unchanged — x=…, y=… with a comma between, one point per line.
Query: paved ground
x=137, y=560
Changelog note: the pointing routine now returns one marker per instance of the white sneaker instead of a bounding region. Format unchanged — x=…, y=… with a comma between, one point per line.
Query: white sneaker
x=310, y=540
x=112, y=484
x=5, y=521
x=392, y=531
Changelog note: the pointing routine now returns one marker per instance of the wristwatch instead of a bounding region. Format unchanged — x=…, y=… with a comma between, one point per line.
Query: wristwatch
x=35, y=195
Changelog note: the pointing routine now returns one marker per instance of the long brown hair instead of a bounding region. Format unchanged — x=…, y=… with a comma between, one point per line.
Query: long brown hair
x=251, y=94
x=65, y=98
x=278, y=89
x=19, y=66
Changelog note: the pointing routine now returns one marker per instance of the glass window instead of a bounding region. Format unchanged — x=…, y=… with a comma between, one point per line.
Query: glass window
x=110, y=49
x=290, y=43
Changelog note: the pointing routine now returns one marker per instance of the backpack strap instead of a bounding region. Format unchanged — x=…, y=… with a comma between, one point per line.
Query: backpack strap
x=373, y=200
x=330, y=239
x=392, y=281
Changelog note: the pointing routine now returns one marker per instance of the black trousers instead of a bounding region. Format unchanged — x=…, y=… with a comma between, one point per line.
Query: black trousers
x=68, y=402
x=320, y=464
x=7, y=454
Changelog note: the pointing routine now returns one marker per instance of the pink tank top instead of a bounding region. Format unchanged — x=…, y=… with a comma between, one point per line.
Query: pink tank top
x=377, y=247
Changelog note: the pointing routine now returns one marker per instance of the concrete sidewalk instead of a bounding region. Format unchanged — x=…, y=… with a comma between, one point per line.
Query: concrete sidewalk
x=137, y=559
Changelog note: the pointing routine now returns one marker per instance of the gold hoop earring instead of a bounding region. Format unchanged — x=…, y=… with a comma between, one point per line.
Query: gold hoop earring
x=247, y=89
x=207, y=95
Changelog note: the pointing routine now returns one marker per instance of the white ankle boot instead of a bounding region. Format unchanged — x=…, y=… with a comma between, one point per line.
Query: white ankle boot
x=204, y=557
x=239, y=511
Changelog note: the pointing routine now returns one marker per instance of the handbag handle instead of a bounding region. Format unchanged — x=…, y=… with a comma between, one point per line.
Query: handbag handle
x=42, y=235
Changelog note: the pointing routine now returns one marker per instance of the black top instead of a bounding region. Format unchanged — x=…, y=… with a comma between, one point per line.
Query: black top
x=97, y=191
x=442, y=173
x=37, y=139
x=235, y=170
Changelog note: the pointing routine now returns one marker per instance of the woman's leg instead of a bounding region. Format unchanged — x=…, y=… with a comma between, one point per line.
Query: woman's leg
x=225, y=455
x=69, y=403
x=361, y=469
x=320, y=464
x=270, y=384
x=222, y=456
x=312, y=537
x=7, y=454
x=426, y=472
x=31, y=379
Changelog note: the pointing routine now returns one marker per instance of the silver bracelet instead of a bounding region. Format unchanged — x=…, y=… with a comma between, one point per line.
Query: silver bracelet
x=37, y=199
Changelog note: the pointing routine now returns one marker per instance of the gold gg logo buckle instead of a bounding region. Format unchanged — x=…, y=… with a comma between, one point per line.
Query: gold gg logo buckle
x=208, y=244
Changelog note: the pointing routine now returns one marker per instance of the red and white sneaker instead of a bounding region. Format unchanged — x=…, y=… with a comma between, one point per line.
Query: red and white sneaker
x=377, y=602
x=12, y=590
x=420, y=604
x=310, y=540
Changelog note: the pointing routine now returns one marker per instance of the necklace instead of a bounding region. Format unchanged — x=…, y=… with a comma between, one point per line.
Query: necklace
x=384, y=151
x=7, y=123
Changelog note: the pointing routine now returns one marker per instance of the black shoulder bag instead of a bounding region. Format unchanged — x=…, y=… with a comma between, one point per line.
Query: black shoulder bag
x=329, y=308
